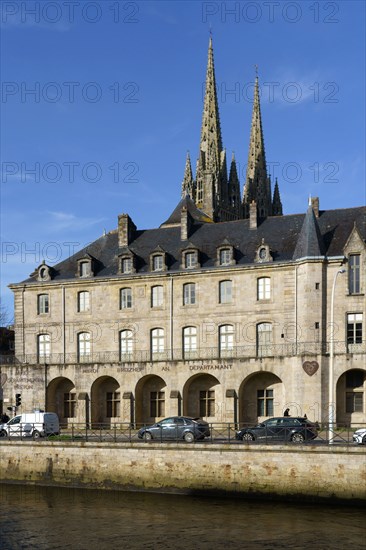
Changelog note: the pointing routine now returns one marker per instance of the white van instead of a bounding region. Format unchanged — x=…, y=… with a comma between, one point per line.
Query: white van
x=36, y=424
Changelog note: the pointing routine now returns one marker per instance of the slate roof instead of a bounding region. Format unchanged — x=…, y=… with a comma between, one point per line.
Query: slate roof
x=281, y=233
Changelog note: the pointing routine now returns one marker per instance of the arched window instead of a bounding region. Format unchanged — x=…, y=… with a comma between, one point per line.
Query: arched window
x=264, y=339
x=84, y=354
x=263, y=288
x=157, y=343
x=226, y=342
x=126, y=345
x=44, y=347
x=189, y=342
x=83, y=301
x=125, y=298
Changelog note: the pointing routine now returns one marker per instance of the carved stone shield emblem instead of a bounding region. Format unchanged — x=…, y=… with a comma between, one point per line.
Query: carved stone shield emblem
x=3, y=378
x=310, y=367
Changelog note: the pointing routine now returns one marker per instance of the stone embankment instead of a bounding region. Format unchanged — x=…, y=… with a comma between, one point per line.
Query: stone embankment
x=306, y=473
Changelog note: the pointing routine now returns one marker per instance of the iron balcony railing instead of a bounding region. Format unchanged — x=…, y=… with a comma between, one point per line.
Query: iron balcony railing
x=201, y=354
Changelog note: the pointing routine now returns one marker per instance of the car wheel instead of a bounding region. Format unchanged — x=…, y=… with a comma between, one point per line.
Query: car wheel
x=297, y=438
x=188, y=437
x=247, y=437
x=3, y=433
x=364, y=439
x=147, y=436
x=36, y=434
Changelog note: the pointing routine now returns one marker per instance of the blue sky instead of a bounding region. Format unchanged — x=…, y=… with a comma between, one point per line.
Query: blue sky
x=117, y=102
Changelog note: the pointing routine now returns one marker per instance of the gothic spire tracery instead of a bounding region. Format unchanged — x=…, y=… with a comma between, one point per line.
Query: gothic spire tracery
x=258, y=183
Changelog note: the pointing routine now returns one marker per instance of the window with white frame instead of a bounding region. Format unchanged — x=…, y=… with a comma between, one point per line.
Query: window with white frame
x=264, y=338
x=157, y=296
x=43, y=304
x=84, y=269
x=190, y=260
x=126, y=265
x=44, y=347
x=189, y=341
x=189, y=294
x=354, y=286
x=225, y=292
x=83, y=301
x=263, y=288
x=225, y=256
x=84, y=346
x=125, y=298
x=354, y=328
x=157, y=341
x=226, y=340
x=158, y=262
x=126, y=344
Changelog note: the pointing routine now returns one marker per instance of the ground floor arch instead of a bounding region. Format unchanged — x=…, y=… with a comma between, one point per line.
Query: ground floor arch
x=202, y=397
x=105, y=400
x=151, y=399
x=61, y=399
x=261, y=395
x=350, y=397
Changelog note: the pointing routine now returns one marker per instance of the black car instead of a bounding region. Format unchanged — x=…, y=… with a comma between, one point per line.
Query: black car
x=176, y=427
x=283, y=428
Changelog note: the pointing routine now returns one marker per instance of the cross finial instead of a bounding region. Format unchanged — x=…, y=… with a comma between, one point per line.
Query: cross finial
x=210, y=30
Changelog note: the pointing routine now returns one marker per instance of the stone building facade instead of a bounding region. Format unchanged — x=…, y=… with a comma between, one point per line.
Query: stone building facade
x=229, y=310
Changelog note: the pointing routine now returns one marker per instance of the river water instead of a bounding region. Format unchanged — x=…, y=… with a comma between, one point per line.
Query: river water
x=48, y=518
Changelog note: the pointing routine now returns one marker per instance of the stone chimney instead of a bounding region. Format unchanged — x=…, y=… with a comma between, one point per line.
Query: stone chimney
x=253, y=215
x=185, y=223
x=126, y=230
x=315, y=205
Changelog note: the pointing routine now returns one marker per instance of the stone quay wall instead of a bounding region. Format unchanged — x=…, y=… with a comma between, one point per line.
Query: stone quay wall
x=306, y=473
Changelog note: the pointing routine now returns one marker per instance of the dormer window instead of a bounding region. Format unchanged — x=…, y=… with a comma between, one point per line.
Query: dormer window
x=43, y=272
x=190, y=257
x=158, y=263
x=225, y=254
x=126, y=265
x=84, y=269
x=263, y=254
x=190, y=260
x=85, y=266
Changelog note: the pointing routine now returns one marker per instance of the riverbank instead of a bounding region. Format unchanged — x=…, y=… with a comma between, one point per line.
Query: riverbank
x=305, y=473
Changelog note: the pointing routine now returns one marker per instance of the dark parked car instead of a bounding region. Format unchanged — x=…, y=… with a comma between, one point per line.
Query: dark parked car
x=283, y=428
x=176, y=427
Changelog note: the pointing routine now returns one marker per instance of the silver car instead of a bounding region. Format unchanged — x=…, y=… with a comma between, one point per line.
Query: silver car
x=176, y=427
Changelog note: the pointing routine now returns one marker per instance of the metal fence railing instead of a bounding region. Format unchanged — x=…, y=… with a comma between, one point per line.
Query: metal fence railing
x=224, y=433
x=179, y=354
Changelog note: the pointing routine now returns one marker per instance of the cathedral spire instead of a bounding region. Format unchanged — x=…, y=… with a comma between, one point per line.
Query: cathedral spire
x=211, y=175
x=211, y=141
x=234, y=189
x=188, y=182
x=257, y=183
x=276, y=203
